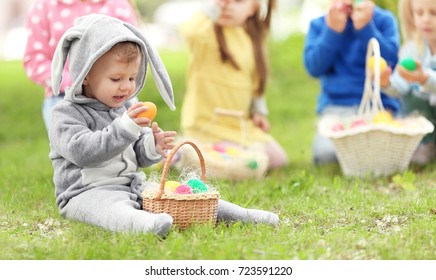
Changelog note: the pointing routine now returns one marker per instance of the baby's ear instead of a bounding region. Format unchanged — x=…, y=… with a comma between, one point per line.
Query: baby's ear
x=85, y=81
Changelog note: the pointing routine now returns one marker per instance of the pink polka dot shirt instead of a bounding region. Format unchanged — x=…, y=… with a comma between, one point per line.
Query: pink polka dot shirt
x=49, y=19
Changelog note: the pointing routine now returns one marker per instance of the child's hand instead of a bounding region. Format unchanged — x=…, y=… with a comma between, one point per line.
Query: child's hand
x=362, y=14
x=162, y=139
x=416, y=76
x=337, y=16
x=385, y=75
x=261, y=122
x=134, y=110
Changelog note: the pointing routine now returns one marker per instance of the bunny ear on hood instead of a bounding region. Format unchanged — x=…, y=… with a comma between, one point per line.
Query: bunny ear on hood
x=91, y=37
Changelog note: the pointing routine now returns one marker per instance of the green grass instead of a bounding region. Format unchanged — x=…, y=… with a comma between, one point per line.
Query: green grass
x=324, y=215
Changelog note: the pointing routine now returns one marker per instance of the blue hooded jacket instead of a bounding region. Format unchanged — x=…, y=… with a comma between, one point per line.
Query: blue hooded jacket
x=338, y=59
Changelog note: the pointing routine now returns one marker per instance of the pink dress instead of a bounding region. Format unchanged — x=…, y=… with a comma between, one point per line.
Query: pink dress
x=49, y=19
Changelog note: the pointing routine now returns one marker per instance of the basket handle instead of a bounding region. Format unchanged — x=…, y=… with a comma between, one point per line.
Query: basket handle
x=371, y=100
x=168, y=160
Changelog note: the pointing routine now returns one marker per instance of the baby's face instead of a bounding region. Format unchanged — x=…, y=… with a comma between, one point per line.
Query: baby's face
x=112, y=79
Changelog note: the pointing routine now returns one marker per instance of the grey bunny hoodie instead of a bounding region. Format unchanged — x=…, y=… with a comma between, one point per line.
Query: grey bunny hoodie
x=91, y=144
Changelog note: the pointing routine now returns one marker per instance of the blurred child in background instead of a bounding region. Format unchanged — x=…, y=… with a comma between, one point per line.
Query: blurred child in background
x=228, y=74
x=47, y=20
x=417, y=85
x=335, y=53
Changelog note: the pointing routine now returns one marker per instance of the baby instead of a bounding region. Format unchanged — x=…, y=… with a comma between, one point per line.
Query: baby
x=97, y=141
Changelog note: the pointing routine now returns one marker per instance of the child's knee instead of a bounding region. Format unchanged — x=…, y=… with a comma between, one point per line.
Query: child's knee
x=323, y=151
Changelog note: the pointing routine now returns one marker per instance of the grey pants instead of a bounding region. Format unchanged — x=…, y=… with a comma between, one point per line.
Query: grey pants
x=117, y=208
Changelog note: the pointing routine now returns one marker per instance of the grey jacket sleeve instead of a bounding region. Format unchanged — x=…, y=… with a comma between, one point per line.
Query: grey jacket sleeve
x=145, y=149
x=71, y=137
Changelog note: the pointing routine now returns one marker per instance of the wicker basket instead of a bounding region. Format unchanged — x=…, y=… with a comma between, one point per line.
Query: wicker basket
x=374, y=149
x=247, y=161
x=186, y=209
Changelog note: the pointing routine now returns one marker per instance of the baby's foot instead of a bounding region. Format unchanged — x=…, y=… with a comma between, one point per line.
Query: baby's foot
x=263, y=217
x=231, y=212
x=162, y=224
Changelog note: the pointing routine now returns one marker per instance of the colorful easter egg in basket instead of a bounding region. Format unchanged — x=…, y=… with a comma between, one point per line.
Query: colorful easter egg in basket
x=383, y=117
x=197, y=186
x=171, y=186
x=219, y=148
x=371, y=64
x=233, y=151
x=338, y=127
x=357, y=123
x=183, y=189
x=252, y=164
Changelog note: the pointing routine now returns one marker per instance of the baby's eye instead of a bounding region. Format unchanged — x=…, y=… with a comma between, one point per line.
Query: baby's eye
x=132, y=79
x=115, y=79
x=419, y=12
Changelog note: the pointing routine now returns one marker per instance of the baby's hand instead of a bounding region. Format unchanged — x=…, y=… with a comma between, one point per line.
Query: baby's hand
x=133, y=112
x=162, y=139
x=261, y=122
x=416, y=76
x=362, y=14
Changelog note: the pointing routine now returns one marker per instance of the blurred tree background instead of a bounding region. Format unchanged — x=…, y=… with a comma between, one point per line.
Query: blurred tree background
x=146, y=8
x=391, y=5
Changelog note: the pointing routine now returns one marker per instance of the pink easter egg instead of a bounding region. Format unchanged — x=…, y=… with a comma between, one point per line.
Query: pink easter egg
x=219, y=148
x=183, y=189
x=358, y=122
x=338, y=127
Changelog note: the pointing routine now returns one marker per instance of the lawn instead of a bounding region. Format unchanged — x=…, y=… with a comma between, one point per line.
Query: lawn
x=324, y=215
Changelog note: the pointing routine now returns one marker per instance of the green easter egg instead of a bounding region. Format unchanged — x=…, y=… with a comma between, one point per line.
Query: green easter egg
x=408, y=63
x=197, y=186
x=358, y=1
x=252, y=164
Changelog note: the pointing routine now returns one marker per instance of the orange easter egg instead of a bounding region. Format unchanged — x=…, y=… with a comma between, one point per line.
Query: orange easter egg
x=151, y=111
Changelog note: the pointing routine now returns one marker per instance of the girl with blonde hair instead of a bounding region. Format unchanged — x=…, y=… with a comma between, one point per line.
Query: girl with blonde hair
x=416, y=82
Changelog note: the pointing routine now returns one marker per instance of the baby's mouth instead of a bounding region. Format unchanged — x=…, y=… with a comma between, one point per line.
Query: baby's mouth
x=119, y=97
